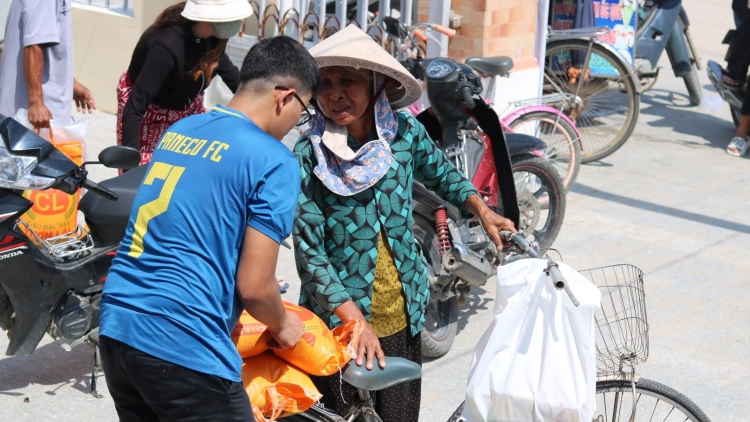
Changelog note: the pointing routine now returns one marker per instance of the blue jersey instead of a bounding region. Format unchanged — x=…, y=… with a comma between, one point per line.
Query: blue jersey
x=171, y=289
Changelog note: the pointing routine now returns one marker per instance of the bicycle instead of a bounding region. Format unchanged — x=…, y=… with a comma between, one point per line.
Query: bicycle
x=538, y=118
x=622, y=343
x=533, y=117
x=605, y=92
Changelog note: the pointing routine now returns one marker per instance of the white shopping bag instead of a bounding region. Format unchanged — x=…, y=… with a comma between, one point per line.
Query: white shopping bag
x=73, y=131
x=537, y=360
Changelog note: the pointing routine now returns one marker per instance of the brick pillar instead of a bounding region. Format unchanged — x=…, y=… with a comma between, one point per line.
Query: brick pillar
x=493, y=28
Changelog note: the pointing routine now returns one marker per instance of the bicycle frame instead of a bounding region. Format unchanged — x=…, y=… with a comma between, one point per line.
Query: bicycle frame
x=531, y=105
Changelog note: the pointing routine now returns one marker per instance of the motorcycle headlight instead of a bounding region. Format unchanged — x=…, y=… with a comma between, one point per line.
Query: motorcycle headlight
x=15, y=169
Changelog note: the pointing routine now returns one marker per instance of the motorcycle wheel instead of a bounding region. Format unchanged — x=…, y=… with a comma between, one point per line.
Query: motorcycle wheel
x=692, y=83
x=441, y=316
x=541, y=199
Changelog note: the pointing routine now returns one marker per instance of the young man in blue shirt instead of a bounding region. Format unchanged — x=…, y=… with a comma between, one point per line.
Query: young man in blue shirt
x=201, y=245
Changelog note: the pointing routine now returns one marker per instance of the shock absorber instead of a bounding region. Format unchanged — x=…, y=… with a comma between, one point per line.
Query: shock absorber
x=441, y=227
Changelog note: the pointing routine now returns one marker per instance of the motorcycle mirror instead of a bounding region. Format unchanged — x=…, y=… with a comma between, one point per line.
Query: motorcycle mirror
x=120, y=157
x=394, y=28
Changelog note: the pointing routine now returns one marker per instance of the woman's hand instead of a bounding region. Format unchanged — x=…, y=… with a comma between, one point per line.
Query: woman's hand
x=83, y=98
x=369, y=344
x=491, y=221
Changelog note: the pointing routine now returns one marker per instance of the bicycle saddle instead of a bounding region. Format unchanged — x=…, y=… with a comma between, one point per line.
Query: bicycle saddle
x=496, y=66
x=397, y=371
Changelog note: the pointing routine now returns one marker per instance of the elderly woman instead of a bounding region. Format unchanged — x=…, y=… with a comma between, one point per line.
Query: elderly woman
x=356, y=253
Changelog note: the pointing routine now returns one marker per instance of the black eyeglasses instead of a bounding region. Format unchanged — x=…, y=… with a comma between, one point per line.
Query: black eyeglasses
x=307, y=115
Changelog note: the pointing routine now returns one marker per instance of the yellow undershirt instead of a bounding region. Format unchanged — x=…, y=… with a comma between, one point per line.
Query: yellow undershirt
x=388, y=310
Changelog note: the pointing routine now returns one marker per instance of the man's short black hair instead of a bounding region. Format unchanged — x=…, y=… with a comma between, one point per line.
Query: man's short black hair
x=280, y=60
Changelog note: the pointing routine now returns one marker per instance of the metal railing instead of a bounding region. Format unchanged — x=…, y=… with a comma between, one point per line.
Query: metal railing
x=123, y=7
x=314, y=20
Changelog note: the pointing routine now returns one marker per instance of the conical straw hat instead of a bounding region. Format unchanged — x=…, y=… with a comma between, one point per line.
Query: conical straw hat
x=352, y=47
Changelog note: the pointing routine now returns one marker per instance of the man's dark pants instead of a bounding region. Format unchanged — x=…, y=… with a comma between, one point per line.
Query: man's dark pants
x=738, y=60
x=146, y=388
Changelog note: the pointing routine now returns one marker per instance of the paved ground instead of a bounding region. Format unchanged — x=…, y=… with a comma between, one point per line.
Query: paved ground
x=670, y=202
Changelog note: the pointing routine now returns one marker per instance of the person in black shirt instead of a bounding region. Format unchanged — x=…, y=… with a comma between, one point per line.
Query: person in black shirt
x=734, y=75
x=172, y=65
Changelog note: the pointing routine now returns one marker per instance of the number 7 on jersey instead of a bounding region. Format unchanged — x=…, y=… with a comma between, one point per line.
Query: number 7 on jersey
x=170, y=175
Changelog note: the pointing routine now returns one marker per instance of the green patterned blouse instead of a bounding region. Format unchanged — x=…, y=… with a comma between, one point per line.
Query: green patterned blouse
x=335, y=237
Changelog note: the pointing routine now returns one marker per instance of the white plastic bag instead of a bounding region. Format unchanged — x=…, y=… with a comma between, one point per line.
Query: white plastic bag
x=537, y=360
x=73, y=131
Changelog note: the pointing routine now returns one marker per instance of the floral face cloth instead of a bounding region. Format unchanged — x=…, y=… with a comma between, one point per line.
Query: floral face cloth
x=342, y=170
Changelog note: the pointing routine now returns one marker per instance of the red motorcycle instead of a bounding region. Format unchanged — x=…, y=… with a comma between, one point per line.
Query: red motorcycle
x=505, y=169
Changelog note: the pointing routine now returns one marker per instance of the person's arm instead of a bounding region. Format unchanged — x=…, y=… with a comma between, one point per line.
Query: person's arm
x=319, y=279
x=39, y=29
x=33, y=67
x=83, y=98
x=318, y=276
x=433, y=169
x=270, y=211
x=159, y=64
x=228, y=72
x=259, y=291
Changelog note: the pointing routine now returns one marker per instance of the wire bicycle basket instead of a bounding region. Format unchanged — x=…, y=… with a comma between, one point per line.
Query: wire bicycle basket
x=621, y=323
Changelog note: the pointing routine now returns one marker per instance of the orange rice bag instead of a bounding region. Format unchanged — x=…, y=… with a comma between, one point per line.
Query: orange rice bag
x=320, y=352
x=276, y=388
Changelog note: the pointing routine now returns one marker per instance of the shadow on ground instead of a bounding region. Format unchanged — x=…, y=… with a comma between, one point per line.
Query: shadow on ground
x=661, y=209
x=49, y=365
x=674, y=112
x=477, y=300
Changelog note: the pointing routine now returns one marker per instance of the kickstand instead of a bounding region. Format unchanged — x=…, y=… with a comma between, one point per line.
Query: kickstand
x=94, y=341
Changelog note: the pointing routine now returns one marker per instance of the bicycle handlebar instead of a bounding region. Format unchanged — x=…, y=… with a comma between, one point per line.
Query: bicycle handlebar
x=552, y=269
x=450, y=33
x=420, y=35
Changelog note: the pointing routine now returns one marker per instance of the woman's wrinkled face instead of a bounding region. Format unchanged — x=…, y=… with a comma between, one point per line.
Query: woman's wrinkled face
x=345, y=95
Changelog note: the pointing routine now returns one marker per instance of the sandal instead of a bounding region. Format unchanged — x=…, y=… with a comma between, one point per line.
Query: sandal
x=738, y=146
x=728, y=80
x=282, y=287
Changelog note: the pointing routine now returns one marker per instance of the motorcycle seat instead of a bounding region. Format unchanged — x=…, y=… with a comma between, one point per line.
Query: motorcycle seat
x=397, y=371
x=495, y=66
x=107, y=219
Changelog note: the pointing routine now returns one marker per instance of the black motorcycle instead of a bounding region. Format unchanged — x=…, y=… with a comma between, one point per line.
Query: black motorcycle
x=506, y=169
x=733, y=96
x=54, y=285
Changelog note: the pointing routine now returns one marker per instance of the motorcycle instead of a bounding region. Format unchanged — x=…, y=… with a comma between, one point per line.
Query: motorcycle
x=54, y=285
x=664, y=25
x=507, y=170
x=734, y=97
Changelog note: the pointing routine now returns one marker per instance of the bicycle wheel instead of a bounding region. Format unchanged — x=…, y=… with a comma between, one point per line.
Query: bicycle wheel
x=654, y=402
x=605, y=110
x=541, y=199
x=456, y=416
x=563, y=146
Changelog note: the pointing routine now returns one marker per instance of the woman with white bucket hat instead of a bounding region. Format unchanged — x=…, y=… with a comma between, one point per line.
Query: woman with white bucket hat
x=172, y=65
